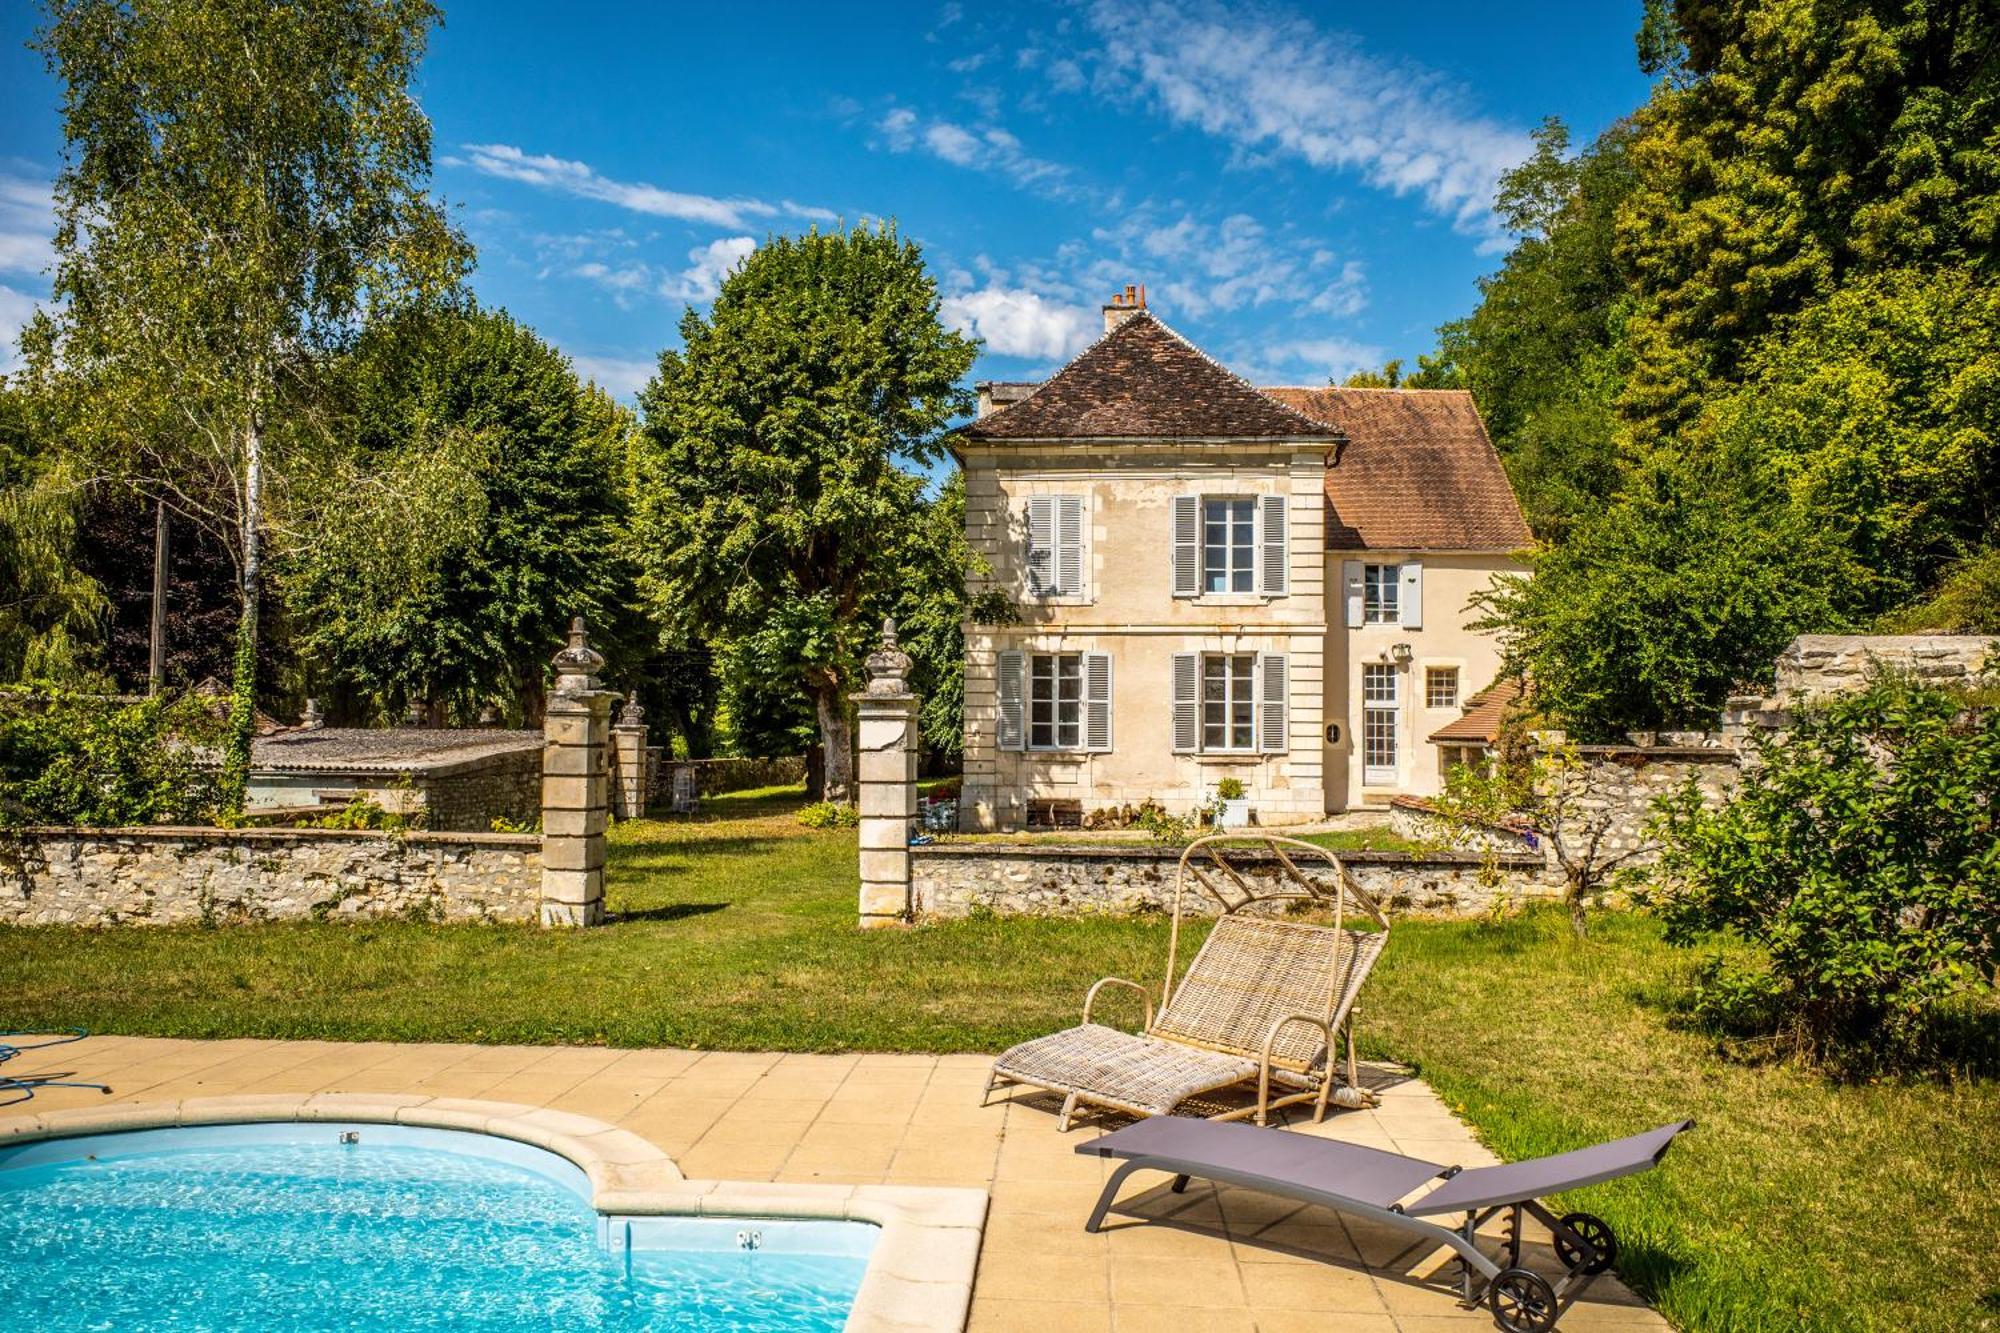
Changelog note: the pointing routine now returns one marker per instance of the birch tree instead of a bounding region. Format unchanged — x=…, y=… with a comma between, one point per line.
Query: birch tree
x=243, y=184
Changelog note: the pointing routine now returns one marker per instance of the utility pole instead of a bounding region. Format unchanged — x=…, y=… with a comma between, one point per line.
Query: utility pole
x=156, y=670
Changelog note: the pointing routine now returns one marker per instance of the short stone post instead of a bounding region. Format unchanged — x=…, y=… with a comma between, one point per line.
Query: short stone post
x=888, y=784
x=576, y=731
x=628, y=761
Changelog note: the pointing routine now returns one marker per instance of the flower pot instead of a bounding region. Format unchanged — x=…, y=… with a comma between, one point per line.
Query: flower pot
x=1233, y=814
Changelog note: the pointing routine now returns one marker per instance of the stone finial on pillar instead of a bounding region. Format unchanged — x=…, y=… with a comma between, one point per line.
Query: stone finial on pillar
x=576, y=795
x=628, y=761
x=887, y=782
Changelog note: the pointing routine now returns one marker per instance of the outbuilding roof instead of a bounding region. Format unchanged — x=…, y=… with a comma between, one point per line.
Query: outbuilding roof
x=1144, y=381
x=1418, y=474
x=383, y=749
x=1479, y=724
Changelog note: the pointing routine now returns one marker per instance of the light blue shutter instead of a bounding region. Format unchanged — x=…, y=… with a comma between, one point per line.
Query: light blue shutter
x=1041, y=545
x=1097, y=701
x=1272, y=689
x=1187, y=545
x=1350, y=580
x=1069, y=545
x=1012, y=733
x=1276, y=549
x=1410, y=606
x=1187, y=702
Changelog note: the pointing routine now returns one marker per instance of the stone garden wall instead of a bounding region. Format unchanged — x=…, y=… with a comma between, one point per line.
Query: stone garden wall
x=185, y=876
x=507, y=786
x=1044, y=879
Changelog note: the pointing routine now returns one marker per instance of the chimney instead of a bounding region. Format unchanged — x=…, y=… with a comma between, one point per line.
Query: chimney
x=1123, y=306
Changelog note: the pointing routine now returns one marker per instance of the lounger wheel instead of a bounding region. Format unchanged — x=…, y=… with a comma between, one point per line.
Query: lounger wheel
x=1523, y=1301
x=1596, y=1233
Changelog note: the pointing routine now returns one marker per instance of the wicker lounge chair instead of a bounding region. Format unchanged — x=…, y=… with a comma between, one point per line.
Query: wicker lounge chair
x=1404, y=1193
x=1264, y=999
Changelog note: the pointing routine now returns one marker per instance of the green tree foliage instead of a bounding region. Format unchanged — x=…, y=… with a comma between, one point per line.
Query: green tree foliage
x=774, y=490
x=1654, y=611
x=241, y=181
x=1432, y=372
x=48, y=607
x=93, y=760
x=930, y=611
x=1798, y=147
x=477, y=506
x=1860, y=857
x=1966, y=602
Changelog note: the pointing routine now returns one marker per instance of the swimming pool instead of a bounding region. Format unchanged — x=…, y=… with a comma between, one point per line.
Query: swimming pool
x=373, y=1226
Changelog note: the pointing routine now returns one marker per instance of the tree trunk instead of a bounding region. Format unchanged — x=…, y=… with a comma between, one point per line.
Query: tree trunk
x=836, y=738
x=156, y=659
x=243, y=685
x=1575, y=890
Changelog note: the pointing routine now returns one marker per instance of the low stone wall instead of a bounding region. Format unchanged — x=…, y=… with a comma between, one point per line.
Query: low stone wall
x=185, y=876
x=733, y=774
x=1821, y=664
x=951, y=880
x=507, y=786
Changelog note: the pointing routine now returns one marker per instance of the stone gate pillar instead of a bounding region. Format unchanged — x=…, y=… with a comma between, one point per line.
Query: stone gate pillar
x=887, y=779
x=576, y=732
x=628, y=761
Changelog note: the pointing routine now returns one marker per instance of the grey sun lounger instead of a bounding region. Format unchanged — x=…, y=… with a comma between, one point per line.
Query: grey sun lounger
x=1390, y=1188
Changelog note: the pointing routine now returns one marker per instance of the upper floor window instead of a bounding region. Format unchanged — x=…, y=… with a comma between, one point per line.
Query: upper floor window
x=1228, y=545
x=1441, y=687
x=1384, y=594
x=1380, y=602
x=1055, y=545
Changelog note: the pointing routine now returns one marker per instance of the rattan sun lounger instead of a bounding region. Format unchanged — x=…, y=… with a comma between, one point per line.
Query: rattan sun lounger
x=1264, y=999
x=1402, y=1192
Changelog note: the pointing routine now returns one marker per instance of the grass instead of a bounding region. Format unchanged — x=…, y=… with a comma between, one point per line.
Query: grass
x=1796, y=1204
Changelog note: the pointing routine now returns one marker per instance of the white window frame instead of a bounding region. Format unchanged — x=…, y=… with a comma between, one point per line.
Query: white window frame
x=1239, y=516
x=1238, y=702
x=1381, y=721
x=1062, y=736
x=1381, y=594
x=1431, y=676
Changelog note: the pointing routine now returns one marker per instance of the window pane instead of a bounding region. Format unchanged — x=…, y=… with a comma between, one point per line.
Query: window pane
x=1441, y=687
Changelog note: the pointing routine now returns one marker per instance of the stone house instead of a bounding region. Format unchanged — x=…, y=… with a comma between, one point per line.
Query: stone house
x=1189, y=578
x=461, y=780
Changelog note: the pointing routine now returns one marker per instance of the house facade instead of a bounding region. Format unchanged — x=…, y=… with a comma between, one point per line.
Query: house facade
x=1187, y=578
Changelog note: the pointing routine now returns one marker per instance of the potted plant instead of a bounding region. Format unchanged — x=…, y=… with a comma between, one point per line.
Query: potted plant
x=1232, y=805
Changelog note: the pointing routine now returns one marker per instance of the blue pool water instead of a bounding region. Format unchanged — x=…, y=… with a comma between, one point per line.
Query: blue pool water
x=284, y=1227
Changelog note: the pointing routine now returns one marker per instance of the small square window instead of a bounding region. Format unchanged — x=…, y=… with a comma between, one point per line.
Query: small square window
x=1441, y=687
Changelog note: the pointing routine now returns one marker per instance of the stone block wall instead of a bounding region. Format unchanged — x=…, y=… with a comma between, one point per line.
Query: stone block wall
x=1817, y=664
x=952, y=880
x=1633, y=777
x=186, y=876
x=507, y=786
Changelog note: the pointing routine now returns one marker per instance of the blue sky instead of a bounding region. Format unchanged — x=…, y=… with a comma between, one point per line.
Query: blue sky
x=1303, y=189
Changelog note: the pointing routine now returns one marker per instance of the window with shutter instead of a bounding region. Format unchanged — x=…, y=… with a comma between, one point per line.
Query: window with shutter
x=1350, y=580
x=1187, y=702
x=1069, y=545
x=1411, y=603
x=1041, y=556
x=1272, y=698
x=1187, y=546
x=1276, y=552
x=1097, y=701
x=1012, y=731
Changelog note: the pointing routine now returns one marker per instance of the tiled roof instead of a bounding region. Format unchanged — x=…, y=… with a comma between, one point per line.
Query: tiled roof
x=382, y=749
x=1418, y=473
x=1144, y=381
x=1479, y=724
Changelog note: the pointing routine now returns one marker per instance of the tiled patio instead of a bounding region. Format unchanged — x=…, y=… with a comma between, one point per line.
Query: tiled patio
x=1208, y=1259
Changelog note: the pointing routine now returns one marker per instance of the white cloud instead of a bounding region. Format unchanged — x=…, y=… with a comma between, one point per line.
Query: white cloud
x=577, y=178
x=1268, y=81
x=1307, y=361
x=1018, y=322
x=16, y=308
x=1231, y=263
x=617, y=377
x=989, y=149
x=709, y=265
x=27, y=225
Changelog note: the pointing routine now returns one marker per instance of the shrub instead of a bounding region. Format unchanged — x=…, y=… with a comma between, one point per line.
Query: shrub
x=1860, y=855
x=101, y=761
x=829, y=814
x=1229, y=789
x=363, y=814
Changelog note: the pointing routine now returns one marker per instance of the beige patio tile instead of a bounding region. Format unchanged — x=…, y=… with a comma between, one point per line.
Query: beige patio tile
x=1320, y=1286
x=1037, y=1316
x=1076, y=1276
x=1184, y=1280
x=1129, y=1318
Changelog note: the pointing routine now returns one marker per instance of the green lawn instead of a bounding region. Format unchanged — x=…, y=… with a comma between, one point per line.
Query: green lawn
x=1797, y=1204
